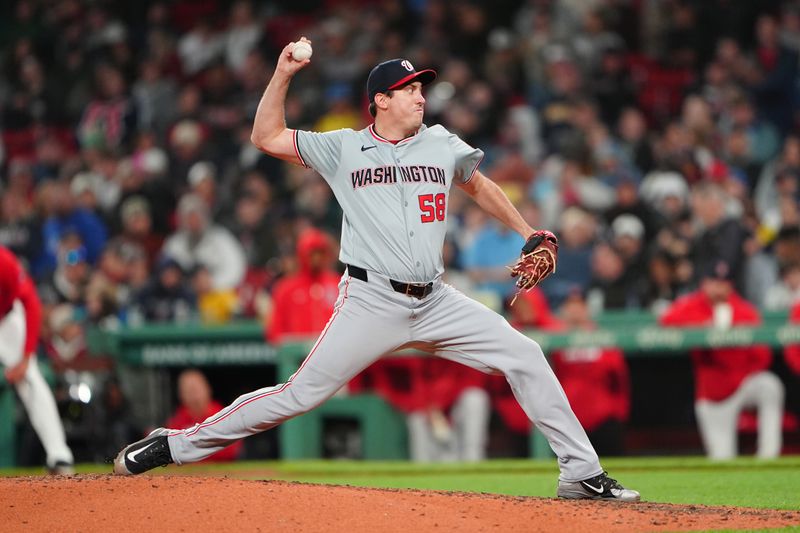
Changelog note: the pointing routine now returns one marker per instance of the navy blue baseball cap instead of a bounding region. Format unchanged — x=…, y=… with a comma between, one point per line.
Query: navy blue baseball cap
x=394, y=74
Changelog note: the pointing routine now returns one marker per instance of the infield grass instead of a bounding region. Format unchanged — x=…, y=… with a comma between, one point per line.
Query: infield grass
x=743, y=482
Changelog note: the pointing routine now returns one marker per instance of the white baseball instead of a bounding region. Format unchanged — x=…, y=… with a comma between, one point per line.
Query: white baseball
x=301, y=51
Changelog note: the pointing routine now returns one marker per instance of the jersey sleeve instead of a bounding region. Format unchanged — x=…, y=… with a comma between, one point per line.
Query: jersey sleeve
x=320, y=151
x=466, y=159
x=33, y=314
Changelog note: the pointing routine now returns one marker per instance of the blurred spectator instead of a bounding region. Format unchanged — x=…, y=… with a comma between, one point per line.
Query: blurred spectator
x=215, y=306
x=341, y=112
x=243, y=34
x=155, y=96
x=786, y=292
x=778, y=180
x=634, y=142
x=629, y=203
x=595, y=381
x=662, y=282
x=764, y=268
x=775, y=87
x=303, y=301
x=611, y=84
x=188, y=139
x=166, y=297
x=20, y=229
x=721, y=236
x=137, y=227
x=628, y=239
x=68, y=282
x=68, y=217
x=109, y=120
x=122, y=270
x=729, y=380
x=576, y=236
x=199, y=47
x=260, y=223
x=485, y=260
x=198, y=242
x=761, y=139
x=608, y=289
x=202, y=181
x=196, y=405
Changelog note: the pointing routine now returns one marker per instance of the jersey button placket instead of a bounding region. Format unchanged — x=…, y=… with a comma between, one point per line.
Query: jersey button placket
x=404, y=193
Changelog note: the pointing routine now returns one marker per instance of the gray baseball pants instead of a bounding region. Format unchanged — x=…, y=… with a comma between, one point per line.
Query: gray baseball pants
x=370, y=320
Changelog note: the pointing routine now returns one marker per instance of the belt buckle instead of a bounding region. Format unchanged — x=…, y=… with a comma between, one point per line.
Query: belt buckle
x=409, y=286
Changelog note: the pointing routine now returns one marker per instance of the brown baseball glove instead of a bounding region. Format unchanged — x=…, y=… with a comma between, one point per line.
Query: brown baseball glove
x=537, y=261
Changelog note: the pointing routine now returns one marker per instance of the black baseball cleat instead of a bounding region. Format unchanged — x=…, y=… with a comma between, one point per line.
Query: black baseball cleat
x=600, y=487
x=143, y=455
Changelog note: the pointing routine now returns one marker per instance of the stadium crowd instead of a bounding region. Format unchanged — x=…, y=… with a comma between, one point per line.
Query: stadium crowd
x=659, y=139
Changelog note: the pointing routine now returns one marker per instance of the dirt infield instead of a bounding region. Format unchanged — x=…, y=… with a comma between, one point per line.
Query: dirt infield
x=166, y=503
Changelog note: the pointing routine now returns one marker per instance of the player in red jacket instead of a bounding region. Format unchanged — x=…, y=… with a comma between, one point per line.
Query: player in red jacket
x=728, y=380
x=20, y=320
x=446, y=405
x=303, y=302
x=197, y=405
x=595, y=381
x=530, y=311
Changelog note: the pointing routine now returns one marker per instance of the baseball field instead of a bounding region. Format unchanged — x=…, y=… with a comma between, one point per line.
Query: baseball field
x=680, y=494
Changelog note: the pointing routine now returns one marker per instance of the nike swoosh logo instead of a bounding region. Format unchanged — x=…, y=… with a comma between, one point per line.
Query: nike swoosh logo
x=365, y=148
x=598, y=490
x=132, y=455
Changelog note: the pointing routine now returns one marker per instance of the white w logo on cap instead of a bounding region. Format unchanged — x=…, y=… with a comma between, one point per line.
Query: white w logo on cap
x=407, y=65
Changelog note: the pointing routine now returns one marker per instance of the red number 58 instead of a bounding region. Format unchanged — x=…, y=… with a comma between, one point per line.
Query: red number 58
x=432, y=207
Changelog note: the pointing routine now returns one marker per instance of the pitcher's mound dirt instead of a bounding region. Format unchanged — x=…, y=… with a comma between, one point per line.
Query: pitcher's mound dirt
x=191, y=504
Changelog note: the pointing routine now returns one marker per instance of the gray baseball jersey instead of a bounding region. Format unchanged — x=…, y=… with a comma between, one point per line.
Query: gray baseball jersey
x=394, y=198
x=393, y=195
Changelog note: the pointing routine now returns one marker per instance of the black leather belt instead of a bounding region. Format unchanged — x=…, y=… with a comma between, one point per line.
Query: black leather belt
x=417, y=290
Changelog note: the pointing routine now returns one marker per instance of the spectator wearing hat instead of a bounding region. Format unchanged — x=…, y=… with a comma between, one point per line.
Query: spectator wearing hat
x=732, y=379
x=199, y=242
x=202, y=181
x=166, y=297
x=628, y=238
x=137, y=227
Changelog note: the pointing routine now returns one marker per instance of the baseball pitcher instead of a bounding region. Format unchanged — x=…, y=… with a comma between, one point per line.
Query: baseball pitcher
x=392, y=180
